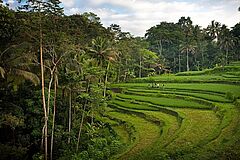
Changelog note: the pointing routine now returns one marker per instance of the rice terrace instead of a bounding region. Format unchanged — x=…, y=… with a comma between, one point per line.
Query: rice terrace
x=119, y=80
x=189, y=115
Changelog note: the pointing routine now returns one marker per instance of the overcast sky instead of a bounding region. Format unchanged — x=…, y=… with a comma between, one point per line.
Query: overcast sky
x=136, y=16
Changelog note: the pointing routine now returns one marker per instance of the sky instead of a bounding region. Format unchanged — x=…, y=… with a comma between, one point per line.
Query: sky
x=137, y=16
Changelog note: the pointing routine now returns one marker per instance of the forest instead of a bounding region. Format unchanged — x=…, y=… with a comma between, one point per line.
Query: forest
x=59, y=75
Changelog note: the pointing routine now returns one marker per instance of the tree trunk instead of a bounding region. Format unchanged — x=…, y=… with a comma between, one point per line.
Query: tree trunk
x=160, y=48
x=118, y=77
x=82, y=119
x=174, y=63
x=54, y=113
x=70, y=115
x=81, y=124
x=202, y=60
x=179, y=62
x=92, y=114
x=226, y=57
x=187, y=61
x=49, y=91
x=105, y=81
x=43, y=91
x=140, y=67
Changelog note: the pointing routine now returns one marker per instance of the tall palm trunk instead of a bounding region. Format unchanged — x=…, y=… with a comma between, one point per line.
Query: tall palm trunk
x=160, y=47
x=54, y=113
x=125, y=74
x=70, y=115
x=187, y=61
x=174, y=63
x=140, y=67
x=118, y=76
x=179, y=62
x=202, y=59
x=226, y=57
x=105, y=81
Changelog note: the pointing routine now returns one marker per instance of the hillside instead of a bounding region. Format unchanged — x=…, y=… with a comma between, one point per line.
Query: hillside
x=190, y=115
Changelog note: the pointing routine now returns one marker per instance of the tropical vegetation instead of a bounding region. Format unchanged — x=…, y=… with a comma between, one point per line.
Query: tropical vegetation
x=71, y=88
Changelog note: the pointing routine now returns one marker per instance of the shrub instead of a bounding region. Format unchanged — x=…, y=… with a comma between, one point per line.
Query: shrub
x=237, y=102
x=81, y=156
x=12, y=152
x=231, y=96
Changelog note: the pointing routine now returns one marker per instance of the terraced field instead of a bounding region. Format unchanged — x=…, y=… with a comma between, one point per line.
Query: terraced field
x=193, y=117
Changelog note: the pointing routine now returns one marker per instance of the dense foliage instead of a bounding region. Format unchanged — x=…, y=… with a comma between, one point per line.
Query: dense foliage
x=55, y=69
x=184, y=43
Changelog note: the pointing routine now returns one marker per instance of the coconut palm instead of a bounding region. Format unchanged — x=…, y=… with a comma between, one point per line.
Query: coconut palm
x=103, y=51
x=213, y=30
x=187, y=48
x=16, y=65
x=226, y=41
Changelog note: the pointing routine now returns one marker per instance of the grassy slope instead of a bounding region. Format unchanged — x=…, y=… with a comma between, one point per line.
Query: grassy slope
x=144, y=139
x=209, y=87
x=203, y=134
x=162, y=101
x=205, y=96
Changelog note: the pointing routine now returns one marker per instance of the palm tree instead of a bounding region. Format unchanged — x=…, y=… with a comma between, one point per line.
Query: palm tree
x=213, y=30
x=103, y=51
x=17, y=65
x=188, y=48
x=226, y=41
x=100, y=48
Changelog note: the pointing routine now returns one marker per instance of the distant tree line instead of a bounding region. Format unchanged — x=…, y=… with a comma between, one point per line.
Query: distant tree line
x=183, y=46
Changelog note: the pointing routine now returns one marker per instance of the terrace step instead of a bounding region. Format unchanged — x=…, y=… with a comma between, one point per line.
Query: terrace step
x=147, y=132
x=204, y=96
x=164, y=102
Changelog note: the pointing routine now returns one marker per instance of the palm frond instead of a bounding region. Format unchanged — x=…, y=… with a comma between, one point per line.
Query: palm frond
x=27, y=75
x=2, y=72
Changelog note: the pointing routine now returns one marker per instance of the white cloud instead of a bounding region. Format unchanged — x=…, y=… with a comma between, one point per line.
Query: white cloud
x=136, y=16
x=10, y=1
x=68, y=3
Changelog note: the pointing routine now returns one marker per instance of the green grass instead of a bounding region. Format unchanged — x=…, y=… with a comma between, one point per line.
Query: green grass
x=147, y=133
x=122, y=133
x=200, y=124
x=141, y=106
x=196, y=127
x=133, y=106
x=213, y=98
x=166, y=102
x=229, y=125
x=209, y=87
x=188, y=79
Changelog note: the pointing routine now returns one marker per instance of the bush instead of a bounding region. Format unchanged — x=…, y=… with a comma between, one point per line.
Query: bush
x=231, y=96
x=12, y=152
x=237, y=102
x=81, y=156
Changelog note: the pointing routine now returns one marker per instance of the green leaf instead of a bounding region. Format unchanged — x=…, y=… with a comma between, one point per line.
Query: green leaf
x=2, y=72
x=27, y=75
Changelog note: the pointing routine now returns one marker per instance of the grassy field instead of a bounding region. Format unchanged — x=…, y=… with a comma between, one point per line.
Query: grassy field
x=191, y=115
x=213, y=97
